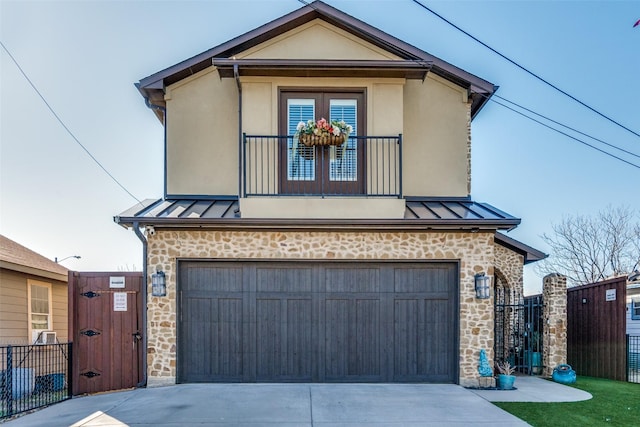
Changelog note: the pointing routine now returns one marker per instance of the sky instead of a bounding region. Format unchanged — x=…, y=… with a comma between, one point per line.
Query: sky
x=85, y=56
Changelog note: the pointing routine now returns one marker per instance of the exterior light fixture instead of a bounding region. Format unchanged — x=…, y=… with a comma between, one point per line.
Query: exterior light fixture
x=482, y=282
x=158, y=284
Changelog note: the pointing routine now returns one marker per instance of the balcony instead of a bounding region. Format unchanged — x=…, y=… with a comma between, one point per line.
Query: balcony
x=365, y=166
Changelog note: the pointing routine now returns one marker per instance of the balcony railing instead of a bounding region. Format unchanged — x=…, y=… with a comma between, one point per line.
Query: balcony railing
x=368, y=166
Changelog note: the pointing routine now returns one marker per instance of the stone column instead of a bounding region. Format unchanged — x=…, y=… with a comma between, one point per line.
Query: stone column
x=554, y=314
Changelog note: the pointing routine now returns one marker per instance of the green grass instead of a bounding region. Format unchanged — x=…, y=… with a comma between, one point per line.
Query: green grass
x=614, y=403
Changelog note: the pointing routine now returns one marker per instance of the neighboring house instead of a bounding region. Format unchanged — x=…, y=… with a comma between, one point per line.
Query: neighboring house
x=33, y=297
x=319, y=264
x=633, y=305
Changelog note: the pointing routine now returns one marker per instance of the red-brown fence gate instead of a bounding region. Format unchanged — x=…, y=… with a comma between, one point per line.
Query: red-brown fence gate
x=596, y=334
x=105, y=321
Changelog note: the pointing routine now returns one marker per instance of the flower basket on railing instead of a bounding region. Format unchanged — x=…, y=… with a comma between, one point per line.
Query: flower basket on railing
x=322, y=132
x=310, y=139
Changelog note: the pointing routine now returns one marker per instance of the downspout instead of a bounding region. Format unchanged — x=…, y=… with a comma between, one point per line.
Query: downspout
x=236, y=74
x=164, y=124
x=136, y=229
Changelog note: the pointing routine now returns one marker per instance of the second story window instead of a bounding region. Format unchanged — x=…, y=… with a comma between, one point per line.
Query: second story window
x=318, y=169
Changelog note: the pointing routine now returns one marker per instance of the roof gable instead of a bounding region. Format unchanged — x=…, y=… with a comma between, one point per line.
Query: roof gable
x=152, y=87
x=317, y=40
x=14, y=256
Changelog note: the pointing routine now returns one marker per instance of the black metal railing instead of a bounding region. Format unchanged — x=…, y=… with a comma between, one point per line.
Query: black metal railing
x=32, y=376
x=281, y=166
x=633, y=358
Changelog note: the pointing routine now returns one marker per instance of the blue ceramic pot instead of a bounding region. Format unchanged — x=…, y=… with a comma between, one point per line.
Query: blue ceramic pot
x=505, y=382
x=564, y=374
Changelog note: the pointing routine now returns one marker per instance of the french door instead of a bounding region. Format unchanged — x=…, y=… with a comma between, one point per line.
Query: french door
x=321, y=169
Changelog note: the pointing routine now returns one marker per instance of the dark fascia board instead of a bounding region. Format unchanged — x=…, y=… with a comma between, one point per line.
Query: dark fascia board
x=153, y=85
x=322, y=68
x=530, y=254
x=321, y=224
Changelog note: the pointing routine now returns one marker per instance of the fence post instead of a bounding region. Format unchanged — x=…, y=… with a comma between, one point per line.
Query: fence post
x=70, y=369
x=9, y=380
x=554, y=338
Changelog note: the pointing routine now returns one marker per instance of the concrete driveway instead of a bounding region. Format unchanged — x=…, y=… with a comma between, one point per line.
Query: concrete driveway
x=277, y=405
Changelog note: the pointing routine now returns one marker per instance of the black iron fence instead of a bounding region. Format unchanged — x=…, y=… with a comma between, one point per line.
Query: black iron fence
x=518, y=330
x=633, y=358
x=283, y=166
x=32, y=376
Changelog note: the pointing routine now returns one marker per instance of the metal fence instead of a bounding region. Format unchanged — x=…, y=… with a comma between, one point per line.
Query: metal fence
x=518, y=330
x=633, y=358
x=32, y=376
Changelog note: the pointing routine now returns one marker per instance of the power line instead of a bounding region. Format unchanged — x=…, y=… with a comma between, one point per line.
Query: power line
x=566, y=127
x=566, y=134
x=526, y=70
x=64, y=125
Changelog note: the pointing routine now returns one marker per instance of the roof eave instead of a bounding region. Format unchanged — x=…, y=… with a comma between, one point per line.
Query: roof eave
x=33, y=271
x=153, y=85
x=530, y=254
x=341, y=224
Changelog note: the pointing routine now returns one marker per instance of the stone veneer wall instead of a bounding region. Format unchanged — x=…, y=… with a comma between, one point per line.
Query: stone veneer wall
x=475, y=252
x=511, y=265
x=554, y=314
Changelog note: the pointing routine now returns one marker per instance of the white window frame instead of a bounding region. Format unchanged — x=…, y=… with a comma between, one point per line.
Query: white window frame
x=33, y=333
x=299, y=169
x=635, y=309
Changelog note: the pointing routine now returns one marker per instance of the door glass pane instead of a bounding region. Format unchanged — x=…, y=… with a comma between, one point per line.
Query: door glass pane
x=300, y=158
x=343, y=165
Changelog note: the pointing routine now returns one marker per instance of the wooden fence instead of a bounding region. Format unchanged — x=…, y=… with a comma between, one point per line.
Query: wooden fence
x=596, y=334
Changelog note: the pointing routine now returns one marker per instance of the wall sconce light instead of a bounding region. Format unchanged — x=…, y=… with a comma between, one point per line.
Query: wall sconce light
x=482, y=285
x=158, y=284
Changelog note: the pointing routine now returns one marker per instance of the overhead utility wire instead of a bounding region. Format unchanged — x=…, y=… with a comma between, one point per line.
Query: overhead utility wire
x=533, y=112
x=65, y=126
x=564, y=133
x=527, y=70
x=565, y=126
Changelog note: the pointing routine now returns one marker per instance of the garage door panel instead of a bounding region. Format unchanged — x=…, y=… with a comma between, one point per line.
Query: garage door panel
x=314, y=321
x=283, y=339
x=199, y=327
x=352, y=331
x=215, y=279
x=284, y=279
x=228, y=339
x=299, y=349
x=355, y=280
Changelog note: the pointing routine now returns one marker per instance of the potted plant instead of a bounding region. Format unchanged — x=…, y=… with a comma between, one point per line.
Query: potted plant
x=323, y=132
x=506, y=377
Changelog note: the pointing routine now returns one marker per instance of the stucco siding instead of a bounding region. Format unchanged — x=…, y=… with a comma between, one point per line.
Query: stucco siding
x=202, y=136
x=435, y=139
x=316, y=40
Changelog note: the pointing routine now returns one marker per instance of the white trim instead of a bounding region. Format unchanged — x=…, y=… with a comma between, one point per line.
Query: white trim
x=33, y=333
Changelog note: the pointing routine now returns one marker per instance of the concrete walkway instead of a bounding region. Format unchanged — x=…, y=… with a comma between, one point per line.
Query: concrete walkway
x=291, y=405
x=535, y=389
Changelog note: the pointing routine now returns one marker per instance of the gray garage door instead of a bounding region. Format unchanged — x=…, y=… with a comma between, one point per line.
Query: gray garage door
x=317, y=322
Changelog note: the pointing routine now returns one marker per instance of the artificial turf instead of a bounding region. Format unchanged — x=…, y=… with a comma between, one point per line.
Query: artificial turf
x=614, y=403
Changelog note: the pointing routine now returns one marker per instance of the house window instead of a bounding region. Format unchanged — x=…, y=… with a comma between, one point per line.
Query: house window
x=321, y=170
x=635, y=309
x=39, y=308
